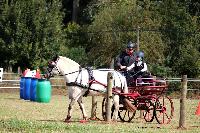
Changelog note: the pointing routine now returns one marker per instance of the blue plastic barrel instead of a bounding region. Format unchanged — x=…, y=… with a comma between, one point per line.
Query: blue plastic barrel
x=22, y=79
x=27, y=86
x=33, y=89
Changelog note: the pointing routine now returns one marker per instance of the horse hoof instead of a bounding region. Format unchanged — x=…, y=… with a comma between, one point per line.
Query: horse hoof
x=67, y=121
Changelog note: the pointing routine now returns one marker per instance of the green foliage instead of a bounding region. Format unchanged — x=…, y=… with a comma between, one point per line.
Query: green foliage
x=160, y=70
x=117, y=23
x=32, y=31
x=78, y=54
x=182, y=53
x=74, y=35
x=187, y=62
x=76, y=40
x=106, y=44
x=113, y=24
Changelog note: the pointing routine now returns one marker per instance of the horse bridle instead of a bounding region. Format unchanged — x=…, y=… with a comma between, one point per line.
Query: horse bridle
x=51, y=66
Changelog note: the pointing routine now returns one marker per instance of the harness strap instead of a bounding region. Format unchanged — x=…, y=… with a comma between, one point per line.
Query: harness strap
x=79, y=71
x=91, y=79
x=80, y=85
x=88, y=89
x=76, y=84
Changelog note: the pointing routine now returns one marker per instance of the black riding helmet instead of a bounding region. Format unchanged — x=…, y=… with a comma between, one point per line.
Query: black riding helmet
x=131, y=45
x=140, y=54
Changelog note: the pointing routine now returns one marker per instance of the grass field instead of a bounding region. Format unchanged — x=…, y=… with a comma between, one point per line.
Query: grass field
x=17, y=115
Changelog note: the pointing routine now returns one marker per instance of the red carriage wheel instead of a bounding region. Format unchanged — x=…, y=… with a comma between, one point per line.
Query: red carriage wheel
x=149, y=111
x=127, y=110
x=104, y=102
x=164, y=109
x=125, y=115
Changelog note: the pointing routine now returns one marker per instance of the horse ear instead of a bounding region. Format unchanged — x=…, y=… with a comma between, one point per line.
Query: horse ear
x=55, y=57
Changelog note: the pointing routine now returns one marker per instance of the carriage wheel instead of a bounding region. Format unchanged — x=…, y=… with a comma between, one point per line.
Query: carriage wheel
x=164, y=109
x=125, y=115
x=104, y=102
x=149, y=111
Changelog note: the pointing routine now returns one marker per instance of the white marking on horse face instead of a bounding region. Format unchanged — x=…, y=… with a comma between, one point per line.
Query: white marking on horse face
x=55, y=71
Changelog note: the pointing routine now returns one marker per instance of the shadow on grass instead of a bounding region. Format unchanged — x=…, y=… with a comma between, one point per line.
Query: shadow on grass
x=9, y=98
x=72, y=121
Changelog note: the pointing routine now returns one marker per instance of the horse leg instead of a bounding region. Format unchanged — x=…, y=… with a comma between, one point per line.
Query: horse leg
x=116, y=105
x=80, y=102
x=70, y=110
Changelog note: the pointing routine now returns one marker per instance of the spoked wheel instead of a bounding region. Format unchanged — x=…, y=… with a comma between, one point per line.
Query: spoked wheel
x=164, y=109
x=125, y=115
x=104, y=102
x=149, y=111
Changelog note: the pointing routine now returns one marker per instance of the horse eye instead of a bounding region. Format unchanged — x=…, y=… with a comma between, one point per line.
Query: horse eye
x=51, y=64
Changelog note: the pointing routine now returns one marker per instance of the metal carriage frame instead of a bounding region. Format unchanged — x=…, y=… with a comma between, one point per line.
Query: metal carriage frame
x=149, y=97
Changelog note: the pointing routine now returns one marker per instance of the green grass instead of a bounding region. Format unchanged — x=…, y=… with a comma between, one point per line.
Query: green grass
x=18, y=115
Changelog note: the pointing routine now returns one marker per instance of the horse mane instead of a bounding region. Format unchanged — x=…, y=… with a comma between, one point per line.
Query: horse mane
x=68, y=60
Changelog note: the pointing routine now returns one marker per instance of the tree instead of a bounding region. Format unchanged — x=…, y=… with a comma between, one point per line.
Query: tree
x=32, y=32
x=179, y=30
x=116, y=23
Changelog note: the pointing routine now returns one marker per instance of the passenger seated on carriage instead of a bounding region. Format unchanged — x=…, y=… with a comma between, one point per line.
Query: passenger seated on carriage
x=138, y=70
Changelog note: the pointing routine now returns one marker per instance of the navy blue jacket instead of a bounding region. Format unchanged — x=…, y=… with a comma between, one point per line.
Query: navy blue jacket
x=124, y=59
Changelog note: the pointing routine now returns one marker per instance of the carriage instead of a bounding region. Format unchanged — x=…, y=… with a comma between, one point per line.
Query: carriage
x=149, y=97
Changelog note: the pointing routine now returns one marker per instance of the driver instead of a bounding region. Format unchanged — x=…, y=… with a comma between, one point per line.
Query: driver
x=126, y=57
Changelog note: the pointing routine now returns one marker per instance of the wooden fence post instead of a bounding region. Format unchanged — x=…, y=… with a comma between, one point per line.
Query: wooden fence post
x=109, y=96
x=94, y=107
x=182, y=102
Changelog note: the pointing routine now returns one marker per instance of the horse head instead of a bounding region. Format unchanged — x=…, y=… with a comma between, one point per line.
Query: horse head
x=52, y=67
x=62, y=66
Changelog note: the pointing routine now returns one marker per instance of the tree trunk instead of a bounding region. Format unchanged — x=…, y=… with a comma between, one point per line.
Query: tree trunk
x=75, y=10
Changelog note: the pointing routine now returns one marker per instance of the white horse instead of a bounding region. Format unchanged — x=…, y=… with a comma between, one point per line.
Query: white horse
x=82, y=81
